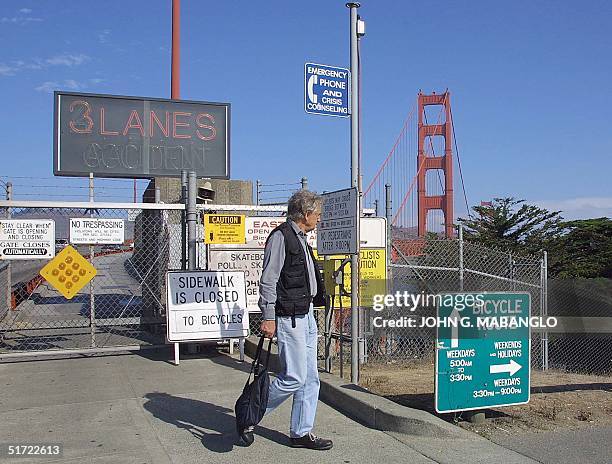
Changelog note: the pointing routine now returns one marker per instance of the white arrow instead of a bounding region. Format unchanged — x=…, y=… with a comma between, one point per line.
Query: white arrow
x=512, y=368
x=454, y=316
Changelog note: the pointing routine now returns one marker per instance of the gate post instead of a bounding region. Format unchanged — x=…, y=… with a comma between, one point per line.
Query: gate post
x=388, y=215
x=9, y=280
x=461, y=265
x=184, y=220
x=92, y=297
x=544, y=308
x=192, y=189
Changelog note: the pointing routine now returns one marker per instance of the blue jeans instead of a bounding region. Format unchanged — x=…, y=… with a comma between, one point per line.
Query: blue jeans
x=299, y=376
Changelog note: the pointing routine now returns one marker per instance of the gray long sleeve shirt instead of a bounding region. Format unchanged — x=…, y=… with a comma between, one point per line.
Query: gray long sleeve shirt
x=274, y=258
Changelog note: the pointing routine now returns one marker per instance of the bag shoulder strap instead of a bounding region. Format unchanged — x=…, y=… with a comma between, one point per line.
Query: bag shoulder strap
x=257, y=359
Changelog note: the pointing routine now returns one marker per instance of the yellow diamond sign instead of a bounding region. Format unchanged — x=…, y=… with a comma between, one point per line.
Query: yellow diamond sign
x=68, y=272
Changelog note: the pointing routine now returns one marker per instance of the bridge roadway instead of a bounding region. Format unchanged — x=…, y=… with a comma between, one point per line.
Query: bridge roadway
x=47, y=320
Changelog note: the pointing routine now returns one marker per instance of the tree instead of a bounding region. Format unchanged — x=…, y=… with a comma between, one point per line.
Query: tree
x=584, y=249
x=512, y=225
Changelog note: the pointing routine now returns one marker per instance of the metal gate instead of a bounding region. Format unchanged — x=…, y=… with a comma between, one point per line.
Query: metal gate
x=123, y=305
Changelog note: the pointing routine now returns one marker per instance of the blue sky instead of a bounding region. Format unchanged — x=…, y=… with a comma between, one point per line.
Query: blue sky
x=530, y=84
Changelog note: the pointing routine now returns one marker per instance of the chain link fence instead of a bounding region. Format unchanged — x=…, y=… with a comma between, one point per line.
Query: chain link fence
x=434, y=266
x=123, y=305
x=584, y=306
x=581, y=342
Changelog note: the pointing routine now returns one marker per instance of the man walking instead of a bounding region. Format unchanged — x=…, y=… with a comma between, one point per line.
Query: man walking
x=290, y=286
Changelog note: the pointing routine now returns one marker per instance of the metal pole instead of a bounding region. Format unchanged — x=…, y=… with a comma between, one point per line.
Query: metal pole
x=355, y=341
x=176, y=50
x=376, y=207
x=257, y=187
x=304, y=183
x=545, y=308
x=191, y=219
x=92, y=297
x=184, y=220
x=461, y=266
x=328, y=321
x=9, y=277
x=135, y=191
x=175, y=93
x=388, y=215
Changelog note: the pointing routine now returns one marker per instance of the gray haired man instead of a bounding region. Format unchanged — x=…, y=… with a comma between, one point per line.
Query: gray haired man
x=290, y=286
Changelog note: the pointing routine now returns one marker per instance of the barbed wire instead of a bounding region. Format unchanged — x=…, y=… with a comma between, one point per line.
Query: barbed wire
x=81, y=187
x=278, y=185
x=99, y=179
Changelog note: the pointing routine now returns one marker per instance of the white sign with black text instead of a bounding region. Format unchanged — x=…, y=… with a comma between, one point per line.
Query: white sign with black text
x=206, y=305
x=250, y=261
x=96, y=231
x=27, y=238
x=337, y=231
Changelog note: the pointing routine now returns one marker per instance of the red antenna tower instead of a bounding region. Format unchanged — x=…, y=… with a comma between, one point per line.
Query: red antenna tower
x=444, y=162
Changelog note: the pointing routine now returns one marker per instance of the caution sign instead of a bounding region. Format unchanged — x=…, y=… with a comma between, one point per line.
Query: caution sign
x=205, y=305
x=68, y=272
x=372, y=276
x=27, y=238
x=226, y=229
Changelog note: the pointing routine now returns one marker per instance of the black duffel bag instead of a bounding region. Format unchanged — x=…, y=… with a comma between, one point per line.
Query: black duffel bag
x=252, y=403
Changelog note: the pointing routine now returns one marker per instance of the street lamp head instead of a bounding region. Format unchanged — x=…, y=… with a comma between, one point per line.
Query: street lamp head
x=360, y=27
x=353, y=5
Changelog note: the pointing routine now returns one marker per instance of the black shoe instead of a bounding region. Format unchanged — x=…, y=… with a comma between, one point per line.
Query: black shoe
x=311, y=441
x=246, y=435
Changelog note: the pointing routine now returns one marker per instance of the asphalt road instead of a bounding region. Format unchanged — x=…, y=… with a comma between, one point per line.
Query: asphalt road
x=62, y=323
x=592, y=445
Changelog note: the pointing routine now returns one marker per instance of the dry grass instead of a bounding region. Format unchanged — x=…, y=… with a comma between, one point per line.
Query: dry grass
x=558, y=399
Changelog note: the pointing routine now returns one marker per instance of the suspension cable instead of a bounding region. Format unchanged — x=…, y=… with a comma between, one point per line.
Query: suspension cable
x=467, y=206
x=397, y=141
x=418, y=171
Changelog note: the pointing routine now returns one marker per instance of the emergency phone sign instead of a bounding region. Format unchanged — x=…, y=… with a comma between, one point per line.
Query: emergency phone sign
x=326, y=90
x=205, y=305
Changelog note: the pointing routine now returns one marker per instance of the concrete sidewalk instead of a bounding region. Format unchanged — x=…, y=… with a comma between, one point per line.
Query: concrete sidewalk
x=139, y=408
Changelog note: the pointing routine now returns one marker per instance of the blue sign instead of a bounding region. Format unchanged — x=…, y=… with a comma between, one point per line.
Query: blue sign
x=326, y=90
x=483, y=351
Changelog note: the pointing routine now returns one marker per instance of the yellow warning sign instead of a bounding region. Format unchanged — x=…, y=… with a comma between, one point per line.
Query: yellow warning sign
x=372, y=275
x=68, y=272
x=224, y=229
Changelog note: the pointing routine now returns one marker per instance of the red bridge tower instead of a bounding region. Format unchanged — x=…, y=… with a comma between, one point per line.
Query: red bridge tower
x=443, y=162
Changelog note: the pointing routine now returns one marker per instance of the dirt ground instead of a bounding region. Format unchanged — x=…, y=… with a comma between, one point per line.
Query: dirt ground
x=558, y=399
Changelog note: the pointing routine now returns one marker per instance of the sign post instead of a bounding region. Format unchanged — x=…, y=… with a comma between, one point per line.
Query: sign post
x=483, y=357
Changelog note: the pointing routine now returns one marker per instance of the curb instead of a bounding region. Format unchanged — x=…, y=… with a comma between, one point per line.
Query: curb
x=369, y=409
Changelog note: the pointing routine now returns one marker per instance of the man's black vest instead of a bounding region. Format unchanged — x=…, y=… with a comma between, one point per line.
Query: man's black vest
x=293, y=295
